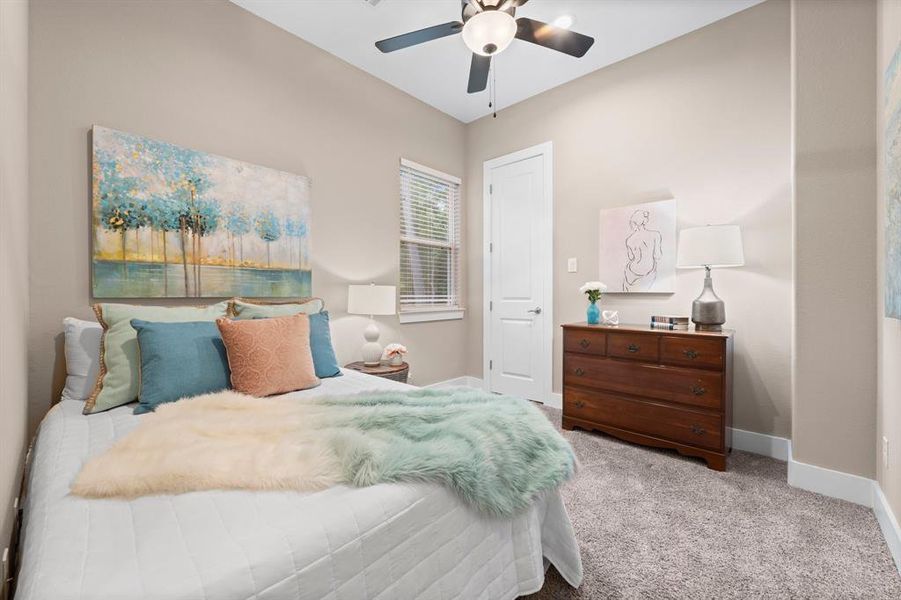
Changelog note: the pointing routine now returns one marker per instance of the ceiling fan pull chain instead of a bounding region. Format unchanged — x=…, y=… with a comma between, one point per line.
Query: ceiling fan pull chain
x=493, y=102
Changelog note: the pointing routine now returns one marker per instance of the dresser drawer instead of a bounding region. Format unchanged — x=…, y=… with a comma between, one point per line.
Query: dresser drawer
x=649, y=418
x=695, y=387
x=586, y=342
x=692, y=351
x=632, y=346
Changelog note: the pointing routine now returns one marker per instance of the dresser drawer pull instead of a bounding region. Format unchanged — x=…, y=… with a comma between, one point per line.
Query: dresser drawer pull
x=690, y=353
x=697, y=430
x=580, y=404
x=633, y=348
x=580, y=371
x=584, y=343
x=698, y=390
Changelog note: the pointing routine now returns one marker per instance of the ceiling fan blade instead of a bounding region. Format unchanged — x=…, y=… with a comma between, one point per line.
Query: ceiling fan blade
x=505, y=4
x=413, y=38
x=555, y=38
x=478, y=73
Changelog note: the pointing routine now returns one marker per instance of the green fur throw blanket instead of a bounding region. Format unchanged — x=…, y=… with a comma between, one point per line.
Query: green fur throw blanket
x=495, y=452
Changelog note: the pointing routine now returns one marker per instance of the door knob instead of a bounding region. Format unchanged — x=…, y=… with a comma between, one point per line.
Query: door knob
x=535, y=311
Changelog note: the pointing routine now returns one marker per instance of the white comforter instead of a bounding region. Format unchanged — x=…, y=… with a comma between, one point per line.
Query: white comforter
x=392, y=541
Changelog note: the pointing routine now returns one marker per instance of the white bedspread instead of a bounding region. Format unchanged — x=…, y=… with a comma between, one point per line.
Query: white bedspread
x=392, y=541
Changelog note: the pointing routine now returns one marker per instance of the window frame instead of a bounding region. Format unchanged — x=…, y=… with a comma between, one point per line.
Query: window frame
x=425, y=313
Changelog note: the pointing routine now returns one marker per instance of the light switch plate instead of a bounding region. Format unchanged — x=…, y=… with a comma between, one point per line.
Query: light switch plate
x=885, y=463
x=572, y=265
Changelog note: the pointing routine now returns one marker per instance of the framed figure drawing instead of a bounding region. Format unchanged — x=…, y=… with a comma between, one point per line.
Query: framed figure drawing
x=171, y=222
x=638, y=248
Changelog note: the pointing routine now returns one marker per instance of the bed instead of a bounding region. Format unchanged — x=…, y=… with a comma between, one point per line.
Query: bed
x=389, y=541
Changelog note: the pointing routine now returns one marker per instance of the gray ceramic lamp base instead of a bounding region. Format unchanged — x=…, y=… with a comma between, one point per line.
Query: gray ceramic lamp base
x=708, y=311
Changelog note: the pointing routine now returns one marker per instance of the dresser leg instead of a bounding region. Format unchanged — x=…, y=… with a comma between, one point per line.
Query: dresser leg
x=567, y=425
x=717, y=463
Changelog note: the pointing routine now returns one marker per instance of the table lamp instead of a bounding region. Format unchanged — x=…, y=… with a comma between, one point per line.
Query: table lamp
x=371, y=300
x=709, y=247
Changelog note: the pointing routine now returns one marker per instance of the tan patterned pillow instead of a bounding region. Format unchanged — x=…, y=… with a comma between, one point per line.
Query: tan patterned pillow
x=269, y=356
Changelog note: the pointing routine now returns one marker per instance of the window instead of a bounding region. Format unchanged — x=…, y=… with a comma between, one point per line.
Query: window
x=429, y=284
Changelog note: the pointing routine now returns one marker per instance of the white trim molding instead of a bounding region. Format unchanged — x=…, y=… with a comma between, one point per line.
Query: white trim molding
x=888, y=523
x=546, y=150
x=429, y=170
x=424, y=316
x=555, y=400
x=761, y=443
x=835, y=484
x=464, y=381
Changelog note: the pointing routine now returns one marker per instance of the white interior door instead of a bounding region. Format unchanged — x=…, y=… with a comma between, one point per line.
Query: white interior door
x=518, y=344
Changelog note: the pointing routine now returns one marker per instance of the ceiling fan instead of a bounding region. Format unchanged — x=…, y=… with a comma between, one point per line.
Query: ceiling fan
x=488, y=27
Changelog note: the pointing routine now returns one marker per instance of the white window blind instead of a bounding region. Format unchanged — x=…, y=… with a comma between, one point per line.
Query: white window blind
x=429, y=239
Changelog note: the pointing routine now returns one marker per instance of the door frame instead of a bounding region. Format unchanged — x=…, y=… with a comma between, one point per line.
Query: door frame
x=545, y=150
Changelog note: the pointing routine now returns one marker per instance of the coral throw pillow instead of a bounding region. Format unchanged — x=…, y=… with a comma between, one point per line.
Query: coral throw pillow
x=269, y=356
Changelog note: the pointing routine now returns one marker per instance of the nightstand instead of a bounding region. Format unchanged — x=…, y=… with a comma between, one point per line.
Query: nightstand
x=395, y=373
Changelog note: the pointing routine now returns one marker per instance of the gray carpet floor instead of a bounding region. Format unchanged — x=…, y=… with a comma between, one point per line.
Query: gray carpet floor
x=653, y=524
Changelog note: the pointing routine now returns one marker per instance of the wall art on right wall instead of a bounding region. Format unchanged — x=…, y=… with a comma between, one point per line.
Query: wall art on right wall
x=638, y=248
x=893, y=186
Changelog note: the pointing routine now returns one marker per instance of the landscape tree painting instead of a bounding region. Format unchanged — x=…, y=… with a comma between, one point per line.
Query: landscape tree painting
x=173, y=222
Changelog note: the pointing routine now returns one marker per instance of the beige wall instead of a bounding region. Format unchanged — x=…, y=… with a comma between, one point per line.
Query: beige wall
x=13, y=252
x=888, y=410
x=210, y=76
x=704, y=119
x=834, y=411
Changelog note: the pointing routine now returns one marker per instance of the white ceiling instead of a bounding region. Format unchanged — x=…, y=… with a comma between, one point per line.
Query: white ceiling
x=437, y=72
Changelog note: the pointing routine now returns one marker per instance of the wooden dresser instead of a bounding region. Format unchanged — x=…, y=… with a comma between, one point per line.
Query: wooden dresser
x=670, y=389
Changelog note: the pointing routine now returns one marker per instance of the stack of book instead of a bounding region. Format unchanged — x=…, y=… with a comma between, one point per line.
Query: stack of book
x=669, y=322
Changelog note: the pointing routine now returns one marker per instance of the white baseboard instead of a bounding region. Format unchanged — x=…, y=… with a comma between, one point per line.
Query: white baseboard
x=555, y=401
x=888, y=523
x=464, y=381
x=834, y=484
x=760, y=443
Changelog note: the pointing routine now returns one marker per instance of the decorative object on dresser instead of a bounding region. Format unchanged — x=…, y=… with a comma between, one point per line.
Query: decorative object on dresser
x=708, y=247
x=669, y=322
x=637, y=250
x=593, y=289
x=669, y=389
x=610, y=317
x=392, y=372
x=371, y=300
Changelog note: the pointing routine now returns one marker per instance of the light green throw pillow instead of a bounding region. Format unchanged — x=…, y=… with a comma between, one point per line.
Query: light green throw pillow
x=119, y=380
x=249, y=310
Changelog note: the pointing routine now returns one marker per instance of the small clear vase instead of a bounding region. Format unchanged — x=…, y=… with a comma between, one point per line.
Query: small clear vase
x=593, y=314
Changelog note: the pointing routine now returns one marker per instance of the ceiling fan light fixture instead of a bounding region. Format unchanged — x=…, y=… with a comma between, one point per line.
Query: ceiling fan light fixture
x=489, y=32
x=564, y=21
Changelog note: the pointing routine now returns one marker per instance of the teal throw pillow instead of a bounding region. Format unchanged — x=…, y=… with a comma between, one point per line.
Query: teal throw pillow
x=179, y=360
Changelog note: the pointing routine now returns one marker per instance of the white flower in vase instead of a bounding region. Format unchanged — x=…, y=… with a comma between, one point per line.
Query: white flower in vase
x=394, y=354
x=594, y=289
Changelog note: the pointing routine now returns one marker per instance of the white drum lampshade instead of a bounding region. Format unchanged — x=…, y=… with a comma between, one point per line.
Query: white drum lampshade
x=708, y=247
x=371, y=300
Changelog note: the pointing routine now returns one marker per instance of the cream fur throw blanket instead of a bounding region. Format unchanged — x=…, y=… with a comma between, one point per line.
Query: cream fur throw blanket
x=496, y=452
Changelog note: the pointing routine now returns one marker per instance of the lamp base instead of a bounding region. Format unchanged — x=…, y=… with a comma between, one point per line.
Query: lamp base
x=371, y=350
x=708, y=311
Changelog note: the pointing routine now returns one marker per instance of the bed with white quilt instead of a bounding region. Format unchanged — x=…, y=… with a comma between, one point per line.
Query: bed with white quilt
x=389, y=541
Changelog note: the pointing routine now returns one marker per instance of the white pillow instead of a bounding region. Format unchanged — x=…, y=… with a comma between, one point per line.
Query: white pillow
x=82, y=357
